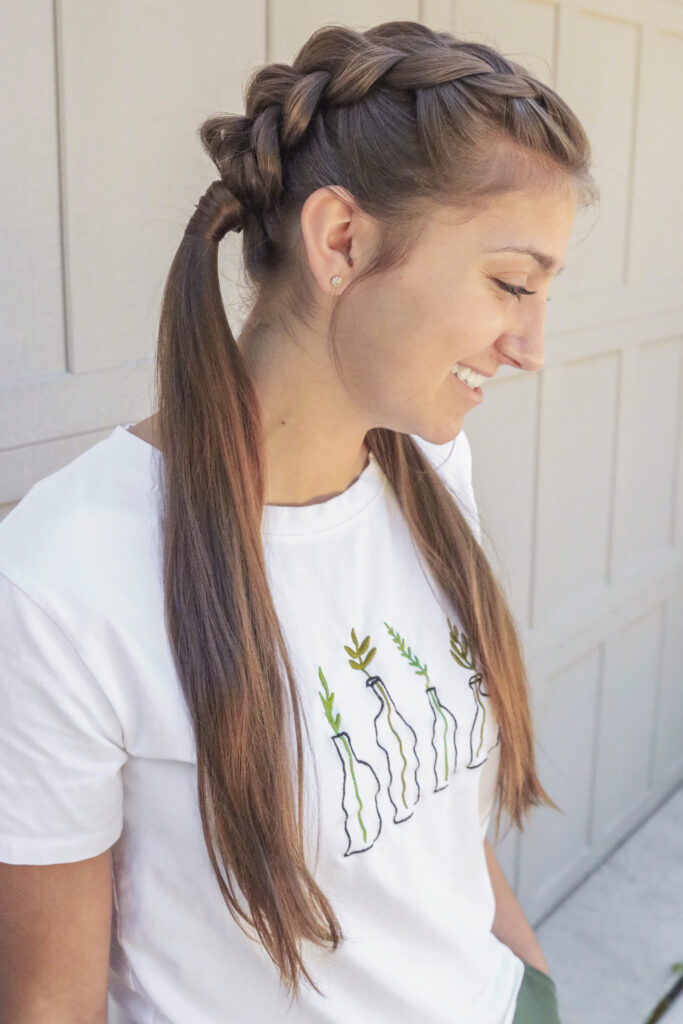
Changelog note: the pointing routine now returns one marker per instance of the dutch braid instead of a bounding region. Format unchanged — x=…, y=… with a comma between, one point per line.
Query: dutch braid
x=282, y=102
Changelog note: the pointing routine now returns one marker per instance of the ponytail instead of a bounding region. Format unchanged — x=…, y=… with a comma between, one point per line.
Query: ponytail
x=224, y=632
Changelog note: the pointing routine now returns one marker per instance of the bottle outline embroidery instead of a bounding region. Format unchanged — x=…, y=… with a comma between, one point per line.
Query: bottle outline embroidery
x=442, y=729
x=477, y=731
x=461, y=652
x=403, y=789
x=440, y=743
x=390, y=725
x=362, y=818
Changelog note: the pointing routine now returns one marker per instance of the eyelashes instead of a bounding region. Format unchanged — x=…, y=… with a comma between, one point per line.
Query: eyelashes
x=514, y=289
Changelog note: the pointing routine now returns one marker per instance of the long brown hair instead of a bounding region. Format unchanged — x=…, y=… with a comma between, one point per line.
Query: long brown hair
x=405, y=119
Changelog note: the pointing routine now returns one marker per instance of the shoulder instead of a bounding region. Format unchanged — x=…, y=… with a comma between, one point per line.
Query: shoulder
x=75, y=529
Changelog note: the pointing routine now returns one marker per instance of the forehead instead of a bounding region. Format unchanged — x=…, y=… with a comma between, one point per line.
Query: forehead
x=548, y=263
x=535, y=224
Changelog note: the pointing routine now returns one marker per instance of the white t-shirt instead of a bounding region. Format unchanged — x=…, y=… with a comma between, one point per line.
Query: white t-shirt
x=96, y=748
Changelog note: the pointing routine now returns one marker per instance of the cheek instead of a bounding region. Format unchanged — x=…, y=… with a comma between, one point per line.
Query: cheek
x=389, y=313
x=387, y=389
x=405, y=340
x=474, y=325
x=386, y=344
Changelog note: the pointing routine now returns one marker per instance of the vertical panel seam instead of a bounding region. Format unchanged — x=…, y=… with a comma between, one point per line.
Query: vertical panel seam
x=541, y=385
x=266, y=41
x=676, y=489
x=617, y=483
x=658, y=698
x=630, y=186
x=56, y=41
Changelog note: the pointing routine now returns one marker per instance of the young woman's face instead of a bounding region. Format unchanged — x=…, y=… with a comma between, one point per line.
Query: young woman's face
x=401, y=334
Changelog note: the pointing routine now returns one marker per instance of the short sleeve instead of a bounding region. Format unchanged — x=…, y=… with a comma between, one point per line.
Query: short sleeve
x=61, y=744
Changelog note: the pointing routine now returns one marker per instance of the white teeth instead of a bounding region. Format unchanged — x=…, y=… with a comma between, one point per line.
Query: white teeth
x=470, y=378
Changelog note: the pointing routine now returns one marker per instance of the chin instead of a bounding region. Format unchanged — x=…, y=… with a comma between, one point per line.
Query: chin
x=441, y=435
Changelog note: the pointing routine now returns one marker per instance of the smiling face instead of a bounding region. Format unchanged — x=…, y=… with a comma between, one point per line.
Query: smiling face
x=400, y=334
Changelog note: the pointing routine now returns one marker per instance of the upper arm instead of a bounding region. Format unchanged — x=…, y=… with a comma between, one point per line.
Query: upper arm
x=61, y=809
x=61, y=742
x=55, y=922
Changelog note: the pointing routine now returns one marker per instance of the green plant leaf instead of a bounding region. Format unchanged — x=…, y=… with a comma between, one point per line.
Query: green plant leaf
x=370, y=656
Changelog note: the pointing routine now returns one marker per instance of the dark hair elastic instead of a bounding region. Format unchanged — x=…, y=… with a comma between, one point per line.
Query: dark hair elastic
x=218, y=211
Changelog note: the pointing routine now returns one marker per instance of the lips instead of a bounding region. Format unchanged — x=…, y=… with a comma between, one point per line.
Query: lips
x=475, y=394
x=475, y=370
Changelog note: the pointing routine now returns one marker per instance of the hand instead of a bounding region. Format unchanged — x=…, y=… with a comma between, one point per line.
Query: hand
x=539, y=964
x=510, y=925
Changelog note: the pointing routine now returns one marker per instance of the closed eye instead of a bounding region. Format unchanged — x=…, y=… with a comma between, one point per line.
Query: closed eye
x=513, y=289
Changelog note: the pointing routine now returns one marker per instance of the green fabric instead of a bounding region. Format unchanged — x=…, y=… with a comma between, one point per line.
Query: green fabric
x=537, y=998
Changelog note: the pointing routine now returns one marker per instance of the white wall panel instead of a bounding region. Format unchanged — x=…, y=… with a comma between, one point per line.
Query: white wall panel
x=656, y=239
x=438, y=14
x=290, y=24
x=523, y=29
x=628, y=715
x=577, y=447
x=668, y=757
x=677, y=510
x=138, y=80
x=604, y=49
x=646, y=503
x=556, y=845
x=31, y=307
x=41, y=408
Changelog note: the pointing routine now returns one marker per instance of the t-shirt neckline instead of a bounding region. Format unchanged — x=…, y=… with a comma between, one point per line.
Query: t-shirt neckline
x=280, y=519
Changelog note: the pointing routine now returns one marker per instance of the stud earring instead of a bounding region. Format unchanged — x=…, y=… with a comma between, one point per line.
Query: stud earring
x=335, y=281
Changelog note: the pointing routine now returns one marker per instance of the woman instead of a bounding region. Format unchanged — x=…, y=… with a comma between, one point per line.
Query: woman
x=258, y=673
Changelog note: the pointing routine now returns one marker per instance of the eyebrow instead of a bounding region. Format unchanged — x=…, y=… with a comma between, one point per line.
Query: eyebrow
x=546, y=262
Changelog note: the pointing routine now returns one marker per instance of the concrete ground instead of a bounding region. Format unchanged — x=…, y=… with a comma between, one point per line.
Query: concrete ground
x=610, y=945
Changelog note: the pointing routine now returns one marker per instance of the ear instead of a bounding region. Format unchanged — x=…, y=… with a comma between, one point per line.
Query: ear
x=336, y=233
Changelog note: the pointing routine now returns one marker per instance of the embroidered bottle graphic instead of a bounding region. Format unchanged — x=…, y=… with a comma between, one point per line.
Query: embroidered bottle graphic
x=393, y=734
x=444, y=726
x=443, y=738
x=478, y=753
x=461, y=652
x=360, y=784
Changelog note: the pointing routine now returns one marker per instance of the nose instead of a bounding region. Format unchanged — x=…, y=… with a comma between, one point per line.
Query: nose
x=526, y=349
